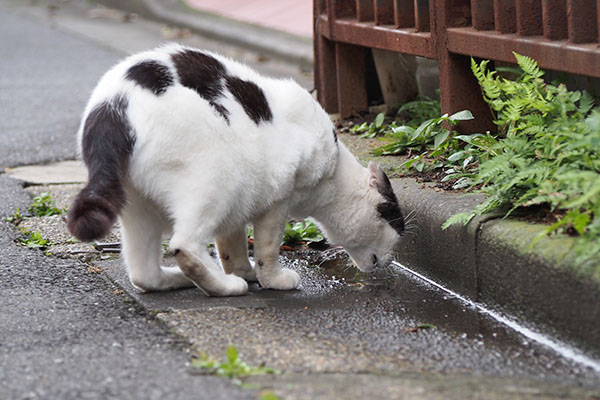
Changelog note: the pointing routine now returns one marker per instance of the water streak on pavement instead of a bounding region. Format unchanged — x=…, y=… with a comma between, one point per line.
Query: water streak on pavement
x=563, y=349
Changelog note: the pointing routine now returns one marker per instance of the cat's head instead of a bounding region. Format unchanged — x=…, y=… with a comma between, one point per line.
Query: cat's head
x=373, y=222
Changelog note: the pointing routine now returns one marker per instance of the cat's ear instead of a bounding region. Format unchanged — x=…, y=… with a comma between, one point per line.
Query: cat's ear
x=374, y=174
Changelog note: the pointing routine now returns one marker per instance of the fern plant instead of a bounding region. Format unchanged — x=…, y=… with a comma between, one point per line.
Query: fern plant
x=547, y=152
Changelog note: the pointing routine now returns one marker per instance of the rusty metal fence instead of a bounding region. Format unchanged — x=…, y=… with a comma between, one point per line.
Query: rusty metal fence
x=561, y=35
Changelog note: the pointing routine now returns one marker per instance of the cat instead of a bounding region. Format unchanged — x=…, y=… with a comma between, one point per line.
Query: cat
x=187, y=142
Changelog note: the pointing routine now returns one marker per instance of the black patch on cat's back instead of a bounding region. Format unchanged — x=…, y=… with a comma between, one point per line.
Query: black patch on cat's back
x=389, y=210
x=251, y=98
x=204, y=74
x=200, y=72
x=221, y=110
x=151, y=75
x=335, y=137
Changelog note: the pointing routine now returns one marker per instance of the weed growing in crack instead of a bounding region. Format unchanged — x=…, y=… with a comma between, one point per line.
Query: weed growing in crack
x=33, y=240
x=45, y=206
x=232, y=367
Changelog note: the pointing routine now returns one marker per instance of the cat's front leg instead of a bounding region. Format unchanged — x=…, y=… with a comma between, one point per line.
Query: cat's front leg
x=233, y=252
x=268, y=231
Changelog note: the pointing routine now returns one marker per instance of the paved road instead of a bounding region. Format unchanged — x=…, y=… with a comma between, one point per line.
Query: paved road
x=45, y=78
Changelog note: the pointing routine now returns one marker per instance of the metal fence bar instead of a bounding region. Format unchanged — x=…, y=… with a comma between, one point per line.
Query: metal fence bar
x=351, y=88
x=384, y=12
x=554, y=15
x=505, y=16
x=582, y=28
x=482, y=14
x=404, y=13
x=450, y=31
x=459, y=89
x=529, y=17
x=422, y=16
x=344, y=8
x=325, y=74
x=364, y=10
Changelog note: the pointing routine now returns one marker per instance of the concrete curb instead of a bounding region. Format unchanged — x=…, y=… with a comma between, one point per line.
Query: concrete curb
x=490, y=261
x=267, y=41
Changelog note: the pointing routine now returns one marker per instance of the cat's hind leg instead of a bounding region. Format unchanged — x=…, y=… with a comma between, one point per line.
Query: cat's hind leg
x=268, y=231
x=207, y=275
x=189, y=247
x=233, y=252
x=141, y=235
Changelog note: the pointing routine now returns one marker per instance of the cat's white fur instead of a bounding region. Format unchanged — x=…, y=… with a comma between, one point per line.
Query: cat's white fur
x=193, y=174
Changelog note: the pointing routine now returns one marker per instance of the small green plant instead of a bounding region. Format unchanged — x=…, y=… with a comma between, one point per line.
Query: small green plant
x=33, y=240
x=414, y=113
x=425, y=135
x=232, y=367
x=431, y=138
x=370, y=130
x=268, y=395
x=418, y=111
x=44, y=206
x=301, y=231
x=16, y=218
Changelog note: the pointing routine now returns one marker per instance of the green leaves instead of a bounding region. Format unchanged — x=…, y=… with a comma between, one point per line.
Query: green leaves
x=370, y=130
x=379, y=120
x=425, y=131
x=463, y=115
x=305, y=231
x=16, y=218
x=33, y=240
x=44, y=206
x=232, y=367
x=299, y=232
x=461, y=218
x=430, y=135
x=529, y=67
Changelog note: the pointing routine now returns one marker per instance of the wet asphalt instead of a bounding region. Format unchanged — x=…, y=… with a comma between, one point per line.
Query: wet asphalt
x=67, y=332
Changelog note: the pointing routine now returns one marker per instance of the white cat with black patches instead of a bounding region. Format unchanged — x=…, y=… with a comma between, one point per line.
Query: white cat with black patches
x=185, y=141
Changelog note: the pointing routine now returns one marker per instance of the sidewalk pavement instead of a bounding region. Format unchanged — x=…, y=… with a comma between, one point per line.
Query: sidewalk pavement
x=490, y=260
x=239, y=31
x=292, y=16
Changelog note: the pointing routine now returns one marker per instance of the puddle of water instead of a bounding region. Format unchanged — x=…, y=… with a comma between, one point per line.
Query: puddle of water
x=466, y=334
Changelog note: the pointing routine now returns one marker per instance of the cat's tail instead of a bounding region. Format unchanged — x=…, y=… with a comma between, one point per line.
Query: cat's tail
x=106, y=146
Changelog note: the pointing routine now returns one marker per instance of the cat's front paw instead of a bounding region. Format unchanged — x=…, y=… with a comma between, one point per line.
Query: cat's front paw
x=247, y=273
x=229, y=285
x=284, y=279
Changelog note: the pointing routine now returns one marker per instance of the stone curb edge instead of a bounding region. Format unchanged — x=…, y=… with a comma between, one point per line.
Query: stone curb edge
x=490, y=261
